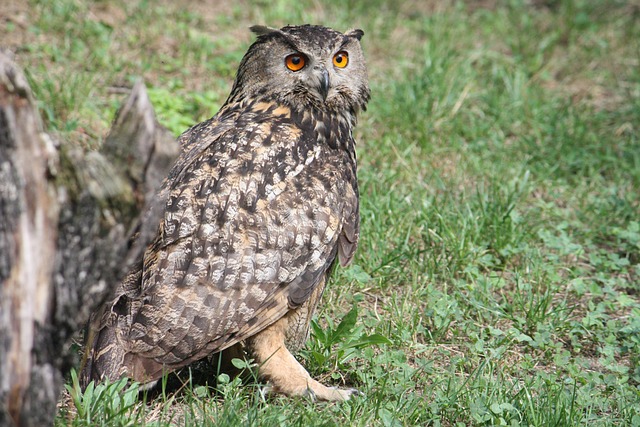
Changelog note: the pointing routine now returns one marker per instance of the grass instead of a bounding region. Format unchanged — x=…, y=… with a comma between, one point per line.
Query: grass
x=497, y=277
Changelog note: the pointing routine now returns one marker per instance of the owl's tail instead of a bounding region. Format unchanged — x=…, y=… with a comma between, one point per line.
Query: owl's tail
x=103, y=357
x=105, y=353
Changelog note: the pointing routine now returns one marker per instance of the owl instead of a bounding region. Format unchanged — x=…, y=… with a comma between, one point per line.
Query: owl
x=260, y=205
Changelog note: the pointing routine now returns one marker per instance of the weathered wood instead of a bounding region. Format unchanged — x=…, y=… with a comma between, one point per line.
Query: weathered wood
x=70, y=225
x=28, y=232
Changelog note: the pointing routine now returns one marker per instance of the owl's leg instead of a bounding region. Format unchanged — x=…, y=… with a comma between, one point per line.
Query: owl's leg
x=283, y=372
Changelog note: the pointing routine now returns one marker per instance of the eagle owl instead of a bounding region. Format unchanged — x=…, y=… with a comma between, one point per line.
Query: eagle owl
x=261, y=203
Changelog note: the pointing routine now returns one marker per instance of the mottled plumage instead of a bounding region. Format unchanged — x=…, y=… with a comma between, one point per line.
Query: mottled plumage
x=260, y=204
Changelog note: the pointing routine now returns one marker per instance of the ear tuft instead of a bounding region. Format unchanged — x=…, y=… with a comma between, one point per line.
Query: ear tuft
x=261, y=30
x=357, y=33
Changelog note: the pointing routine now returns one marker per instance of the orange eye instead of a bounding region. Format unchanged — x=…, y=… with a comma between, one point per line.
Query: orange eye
x=295, y=62
x=341, y=59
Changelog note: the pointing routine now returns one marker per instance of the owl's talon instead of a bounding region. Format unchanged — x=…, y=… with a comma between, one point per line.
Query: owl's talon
x=310, y=394
x=265, y=391
x=355, y=392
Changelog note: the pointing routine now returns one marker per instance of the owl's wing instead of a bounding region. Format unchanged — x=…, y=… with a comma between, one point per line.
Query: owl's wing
x=235, y=251
x=348, y=239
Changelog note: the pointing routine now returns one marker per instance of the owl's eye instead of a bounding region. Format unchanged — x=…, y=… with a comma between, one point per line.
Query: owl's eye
x=295, y=62
x=341, y=59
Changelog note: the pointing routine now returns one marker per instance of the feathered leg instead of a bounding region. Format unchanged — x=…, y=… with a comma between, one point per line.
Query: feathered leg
x=283, y=372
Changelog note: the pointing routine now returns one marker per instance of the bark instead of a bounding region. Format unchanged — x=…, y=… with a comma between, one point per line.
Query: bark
x=71, y=224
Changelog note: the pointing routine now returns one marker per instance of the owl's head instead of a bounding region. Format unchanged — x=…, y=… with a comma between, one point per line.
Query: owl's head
x=305, y=67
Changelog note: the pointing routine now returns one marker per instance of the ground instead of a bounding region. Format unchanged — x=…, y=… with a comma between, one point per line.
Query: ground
x=496, y=282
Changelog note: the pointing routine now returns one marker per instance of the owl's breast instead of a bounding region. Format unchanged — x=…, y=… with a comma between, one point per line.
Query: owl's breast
x=271, y=188
x=300, y=156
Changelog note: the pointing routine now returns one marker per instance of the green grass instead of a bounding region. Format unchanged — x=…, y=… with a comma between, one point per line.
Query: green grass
x=499, y=172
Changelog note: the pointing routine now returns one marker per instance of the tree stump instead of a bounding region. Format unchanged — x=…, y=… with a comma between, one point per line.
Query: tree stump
x=71, y=225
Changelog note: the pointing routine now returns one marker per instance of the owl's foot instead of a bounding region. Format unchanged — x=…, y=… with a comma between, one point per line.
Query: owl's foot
x=330, y=394
x=336, y=394
x=283, y=372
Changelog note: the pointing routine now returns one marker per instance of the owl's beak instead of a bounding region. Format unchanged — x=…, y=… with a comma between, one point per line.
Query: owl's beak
x=324, y=83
